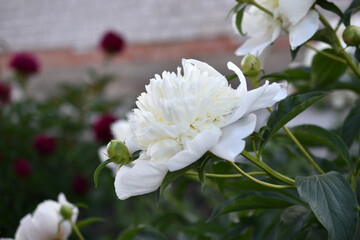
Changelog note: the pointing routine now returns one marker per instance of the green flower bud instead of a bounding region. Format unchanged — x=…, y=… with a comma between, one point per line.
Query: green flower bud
x=118, y=152
x=250, y=65
x=351, y=35
x=66, y=211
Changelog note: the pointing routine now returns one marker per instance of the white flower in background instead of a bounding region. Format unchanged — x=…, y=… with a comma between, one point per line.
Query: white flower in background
x=43, y=224
x=181, y=117
x=292, y=16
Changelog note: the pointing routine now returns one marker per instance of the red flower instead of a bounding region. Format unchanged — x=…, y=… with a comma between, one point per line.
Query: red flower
x=80, y=185
x=24, y=63
x=5, y=92
x=112, y=43
x=101, y=127
x=22, y=167
x=44, y=144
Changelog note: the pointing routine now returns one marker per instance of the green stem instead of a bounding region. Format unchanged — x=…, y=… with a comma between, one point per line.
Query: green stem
x=266, y=184
x=354, y=180
x=268, y=169
x=76, y=230
x=254, y=81
x=215, y=175
x=260, y=7
x=338, y=47
x=329, y=55
x=301, y=148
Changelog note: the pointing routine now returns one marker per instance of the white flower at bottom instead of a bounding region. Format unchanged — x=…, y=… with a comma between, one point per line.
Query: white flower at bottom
x=182, y=116
x=43, y=224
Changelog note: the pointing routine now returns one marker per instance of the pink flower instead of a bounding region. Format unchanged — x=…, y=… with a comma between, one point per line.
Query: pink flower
x=80, y=185
x=44, y=144
x=112, y=43
x=5, y=92
x=24, y=63
x=22, y=167
x=101, y=127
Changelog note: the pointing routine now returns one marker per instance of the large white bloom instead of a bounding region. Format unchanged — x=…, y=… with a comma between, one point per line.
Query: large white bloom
x=43, y=224
x=293, y=16
x=181, y=117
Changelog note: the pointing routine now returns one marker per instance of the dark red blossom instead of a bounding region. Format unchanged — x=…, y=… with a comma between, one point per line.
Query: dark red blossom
x=101, y=127
x=112, y=43
x=24, y=63
x=5, y=92
x=22, y=167
x=80, y=185
x=44, y=144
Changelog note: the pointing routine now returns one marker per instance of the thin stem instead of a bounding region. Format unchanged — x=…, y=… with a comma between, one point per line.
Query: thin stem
x=268, y=169
x=338, y=47
x=76, y=230
x=254, y=81
x=215, y=175
x=329, y=55
x=301, y=148
x=260, y=7
x=354, y=180
x=257, y=180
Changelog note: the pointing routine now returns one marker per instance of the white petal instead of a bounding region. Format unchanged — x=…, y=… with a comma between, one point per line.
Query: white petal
x=139, y=177
x=194, y=149
x=243, y=86
x=254, y=46
x=203, y=67
x=294, y=11
x=231, y=142
x=120, y=130
x=75, y=211
x=304, y=30
x=103, y=157
x=262, y=115
x=131, y=144
x=46, y=218
x=27, y=230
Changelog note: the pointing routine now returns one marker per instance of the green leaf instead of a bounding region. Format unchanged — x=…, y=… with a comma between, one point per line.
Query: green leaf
x=326, y=70
x=288, y=109
x=172, y=176
x=238, y=20
x=325, y=35
x=294, y=53
x=140, y=233
x=221, y=168
x=88, y=221
x=248, y=202
x=99, y=169
x=333, y=202
x=330, y=7
x=131, y=233
x=354, y=6
x=351, y=126
x=292, y=220
x=321, y=136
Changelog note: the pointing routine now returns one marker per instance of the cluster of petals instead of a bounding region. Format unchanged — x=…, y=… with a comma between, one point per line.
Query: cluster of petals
x=180, y=117
x=46, y=222
x=293, y=16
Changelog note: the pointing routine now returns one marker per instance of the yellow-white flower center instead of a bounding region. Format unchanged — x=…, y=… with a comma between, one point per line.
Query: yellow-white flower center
x=175, y=108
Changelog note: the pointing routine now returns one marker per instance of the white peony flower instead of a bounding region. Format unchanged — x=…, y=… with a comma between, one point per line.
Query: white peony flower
x=181, y=117
x=294, y=17
x=43, y=224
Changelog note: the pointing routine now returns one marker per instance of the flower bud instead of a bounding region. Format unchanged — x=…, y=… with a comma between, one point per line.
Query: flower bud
x=66, y=211
x=118, y=152
x=351, y=35
x=250, y=65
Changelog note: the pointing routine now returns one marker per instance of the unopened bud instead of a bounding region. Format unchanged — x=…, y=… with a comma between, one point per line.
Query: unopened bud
x=250, y=65
x=351, y=35
x=66, y=212
x=118, y=152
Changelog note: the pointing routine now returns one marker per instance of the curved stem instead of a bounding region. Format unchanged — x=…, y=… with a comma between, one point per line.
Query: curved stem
x=301, y=148
x=338, y=47
x=266, y=184
x=268, y=169
x=76, y=230
x=325, y=53
x=215, y=175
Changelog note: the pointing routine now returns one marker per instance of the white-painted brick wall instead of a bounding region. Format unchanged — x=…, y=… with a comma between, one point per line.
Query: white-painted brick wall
x=49, y=24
